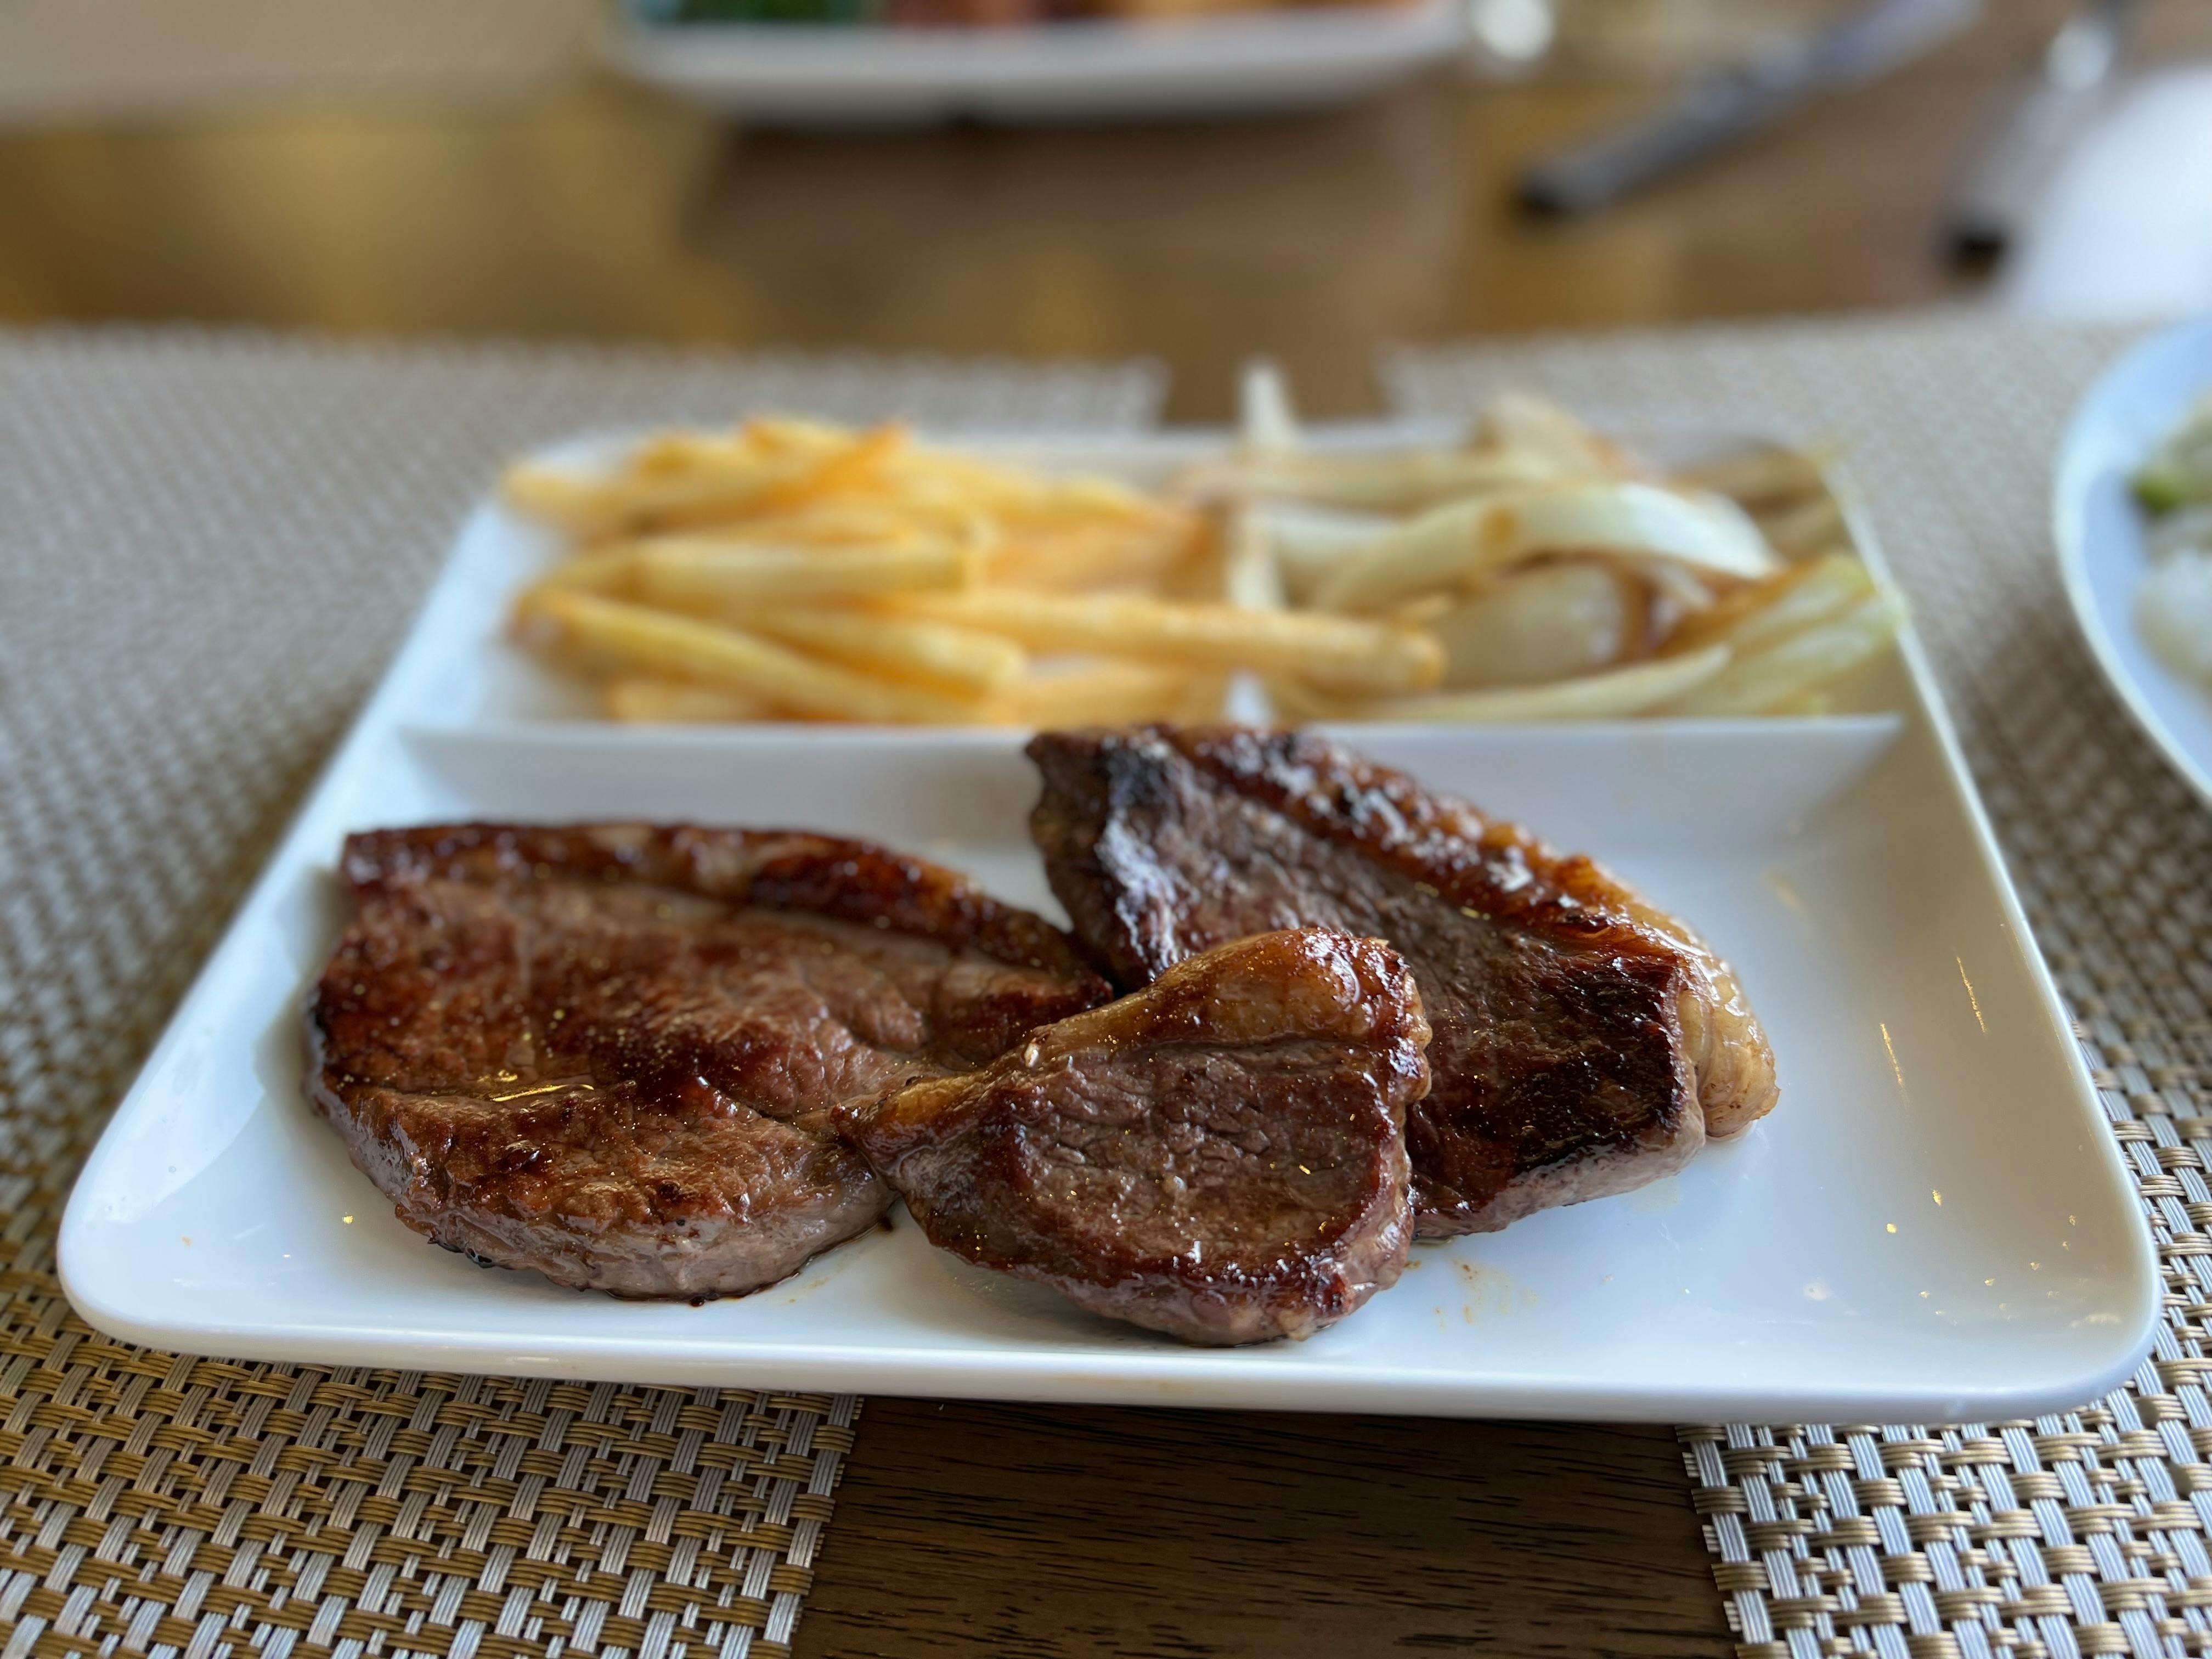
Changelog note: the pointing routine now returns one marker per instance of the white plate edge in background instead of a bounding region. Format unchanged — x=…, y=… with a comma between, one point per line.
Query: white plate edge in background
x=2072, y=475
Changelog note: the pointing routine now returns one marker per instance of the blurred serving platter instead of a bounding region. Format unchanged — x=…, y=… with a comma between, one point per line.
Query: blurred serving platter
x=2103, y=536
x=1935, y=1225
x=1239, y=62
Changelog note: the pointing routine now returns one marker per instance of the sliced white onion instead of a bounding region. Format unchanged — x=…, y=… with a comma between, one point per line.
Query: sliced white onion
x=1389, y=481
x=1546, y=621
x=1309, y=541
x=1616, y=693
x=1451, y=546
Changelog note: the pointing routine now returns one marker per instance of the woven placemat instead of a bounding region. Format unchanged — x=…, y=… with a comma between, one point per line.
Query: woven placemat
x=209, y=543
x=2083, y=1533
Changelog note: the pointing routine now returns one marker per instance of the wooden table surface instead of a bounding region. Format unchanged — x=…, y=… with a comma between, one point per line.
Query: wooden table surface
x=591, y=210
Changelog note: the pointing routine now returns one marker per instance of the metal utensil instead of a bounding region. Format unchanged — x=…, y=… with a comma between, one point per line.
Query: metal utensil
x=1719, y=107
x=2076, y=76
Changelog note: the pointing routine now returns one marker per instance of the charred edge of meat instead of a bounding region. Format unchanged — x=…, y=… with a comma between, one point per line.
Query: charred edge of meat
x=1447, y=846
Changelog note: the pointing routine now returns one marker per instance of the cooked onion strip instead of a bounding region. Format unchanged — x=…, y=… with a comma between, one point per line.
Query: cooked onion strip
x=1452, y=546
x=1761, y=680
x=1612, y=695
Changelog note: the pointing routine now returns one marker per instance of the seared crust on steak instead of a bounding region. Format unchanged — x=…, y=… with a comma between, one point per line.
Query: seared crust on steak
x=609, y=1052
x=1586, y=1041
x=1220, y=1156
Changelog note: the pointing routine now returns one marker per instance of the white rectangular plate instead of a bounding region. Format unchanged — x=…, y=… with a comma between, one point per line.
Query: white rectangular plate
x=1935, y=1225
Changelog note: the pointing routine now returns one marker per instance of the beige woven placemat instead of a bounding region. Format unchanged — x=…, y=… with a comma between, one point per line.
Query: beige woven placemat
x=2083, y=1533
x=210, y=543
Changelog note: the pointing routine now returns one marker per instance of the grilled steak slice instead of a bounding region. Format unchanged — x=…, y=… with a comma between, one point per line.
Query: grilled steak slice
x=1586, y=1042
x=609, y=1052
x=1220, y=1156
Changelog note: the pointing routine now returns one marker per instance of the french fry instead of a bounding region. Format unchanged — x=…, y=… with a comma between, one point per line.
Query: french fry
x=958, y=659
x=1611, y=695
x=691, y=479
x=611, y=571
x=1073, y=555
x=841, y=523
x=1341, y=652
x=1267, y=419
x=1253, y=576
x=841, y=469
x=1760, y=681
x=657, y=642
x=642, y=698
x=712, y=573
x=1113, y=693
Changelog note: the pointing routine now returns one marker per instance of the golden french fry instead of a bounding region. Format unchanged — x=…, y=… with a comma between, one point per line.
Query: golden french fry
x=843, y=468
x=1073, y=555
x=960, y=660
x=658, y=642
x=611, y=571
x=1611, y=695
x=845, y=522
x=1253, y=576
x=775, y=432
x=680, y=478
x=712, y=573
x=1110, y=694
x=1343, y=652
x=1756, y=682
x=642, y=698
x=1266, y=418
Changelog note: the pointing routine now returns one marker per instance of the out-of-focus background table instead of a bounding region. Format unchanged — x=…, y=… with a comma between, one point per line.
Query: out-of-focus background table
x=525, y=196
x=549, y=202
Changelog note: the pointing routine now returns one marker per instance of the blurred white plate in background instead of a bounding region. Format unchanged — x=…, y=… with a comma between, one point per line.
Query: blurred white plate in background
x=2101, y=532
x=851, y=74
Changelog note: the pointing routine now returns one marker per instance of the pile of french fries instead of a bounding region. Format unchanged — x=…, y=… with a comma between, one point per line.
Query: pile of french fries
x=793, y=570
x=1564, y=578
x=789, y=569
